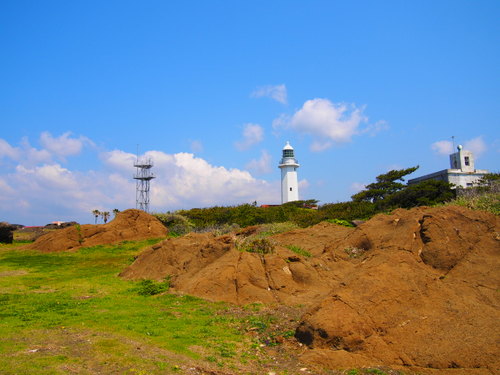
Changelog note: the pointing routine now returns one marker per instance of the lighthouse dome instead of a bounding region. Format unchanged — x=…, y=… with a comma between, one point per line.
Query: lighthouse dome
x=288, y=151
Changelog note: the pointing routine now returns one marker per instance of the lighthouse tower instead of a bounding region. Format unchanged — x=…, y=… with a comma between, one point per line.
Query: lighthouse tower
x=289, y=181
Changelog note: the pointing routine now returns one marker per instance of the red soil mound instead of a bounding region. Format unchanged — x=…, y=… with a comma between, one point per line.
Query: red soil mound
x=128, y=225
x=211, y=267
x=416, y=288
x=424, y=293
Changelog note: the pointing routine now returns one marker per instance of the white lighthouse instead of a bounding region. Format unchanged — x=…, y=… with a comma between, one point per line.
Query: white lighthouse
x=289, y=181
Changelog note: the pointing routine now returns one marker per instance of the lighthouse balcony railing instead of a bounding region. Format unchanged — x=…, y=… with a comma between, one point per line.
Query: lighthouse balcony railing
x=289, y=161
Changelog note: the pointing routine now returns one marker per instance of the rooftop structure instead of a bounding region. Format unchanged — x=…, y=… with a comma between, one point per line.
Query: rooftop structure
x=462, y=171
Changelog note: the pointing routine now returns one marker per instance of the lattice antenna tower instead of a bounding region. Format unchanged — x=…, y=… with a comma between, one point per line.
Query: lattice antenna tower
x=143, y=177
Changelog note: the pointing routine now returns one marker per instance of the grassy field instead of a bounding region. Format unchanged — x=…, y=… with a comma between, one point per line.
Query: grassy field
x=70, y=313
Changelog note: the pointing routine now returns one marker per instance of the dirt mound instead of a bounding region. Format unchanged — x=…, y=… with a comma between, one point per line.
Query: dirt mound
x=128, y=225
x=424, y=293
x=415, y=288
x=211, y=267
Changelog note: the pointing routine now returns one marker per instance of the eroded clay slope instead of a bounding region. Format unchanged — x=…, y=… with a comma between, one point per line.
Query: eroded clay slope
x=424, y=294
x=211, y=267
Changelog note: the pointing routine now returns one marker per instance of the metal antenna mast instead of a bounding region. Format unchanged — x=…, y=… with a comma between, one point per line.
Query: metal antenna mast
x=143, y=176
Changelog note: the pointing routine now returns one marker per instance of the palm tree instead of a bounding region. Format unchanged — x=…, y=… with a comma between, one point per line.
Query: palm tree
x=115, y=211
x=96, y=214
x=105, y=216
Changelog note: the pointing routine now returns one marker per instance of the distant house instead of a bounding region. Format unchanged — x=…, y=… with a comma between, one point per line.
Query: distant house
x=461, y=174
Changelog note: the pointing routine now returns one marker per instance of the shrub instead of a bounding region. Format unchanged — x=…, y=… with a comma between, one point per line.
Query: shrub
x=79, y=232
x=150, y=287
x=342, y=222
x=348, y=210
x=276, y=228
x=218, y=230
x=177, y=224
x=256, y=245
x=487, y=202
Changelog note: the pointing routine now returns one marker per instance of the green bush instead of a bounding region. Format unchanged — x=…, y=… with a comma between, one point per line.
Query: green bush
x=256, y=245
x=342, y=222
x=487, y=202
x=150, y=287
x=177, y=224
x=276, y=228
x=348, y=210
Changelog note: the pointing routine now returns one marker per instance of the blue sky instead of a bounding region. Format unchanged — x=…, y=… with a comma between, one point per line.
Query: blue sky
x=212, y=90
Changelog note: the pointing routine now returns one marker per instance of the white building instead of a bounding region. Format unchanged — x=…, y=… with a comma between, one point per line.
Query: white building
x=289, y=180
x=461, y=174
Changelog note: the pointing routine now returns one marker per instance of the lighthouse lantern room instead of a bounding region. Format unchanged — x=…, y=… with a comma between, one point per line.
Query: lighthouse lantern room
x=289, y=180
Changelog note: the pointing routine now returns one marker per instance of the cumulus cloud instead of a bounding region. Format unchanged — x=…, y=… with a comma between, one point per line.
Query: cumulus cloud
x=6, y=150
x=261, y=165
x=252, y=134
x=442, y=147
x=476, y=145
x=63, y=145
x=276, y=92
x=118, y=160
x=328, y=123
x=51, y=148
x=48, y=191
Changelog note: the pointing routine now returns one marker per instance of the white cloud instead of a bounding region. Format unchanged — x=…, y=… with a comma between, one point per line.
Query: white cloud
x=328, y=123
x=252, y=134
x=356, y=187
x=276, y=92
x=6, y=150
x=119, y=160
x=41, y=192
x=63, y=145
x=261, y=165
x=442, y=147
x=58, y=147
x=476, y=145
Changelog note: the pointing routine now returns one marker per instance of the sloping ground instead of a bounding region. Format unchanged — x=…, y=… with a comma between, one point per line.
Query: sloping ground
x=211, y=267
x=424, y=294
x=128, y=225
x=415, y=288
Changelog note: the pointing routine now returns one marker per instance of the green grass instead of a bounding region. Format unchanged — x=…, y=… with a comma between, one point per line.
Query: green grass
x=342, y=222
x=49, y=300
x=299, y=251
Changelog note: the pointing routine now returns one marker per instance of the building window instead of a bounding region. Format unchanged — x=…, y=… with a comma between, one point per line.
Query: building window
x=288, y=153
x=290, y=189
x=467, y=162
x=469, y=184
